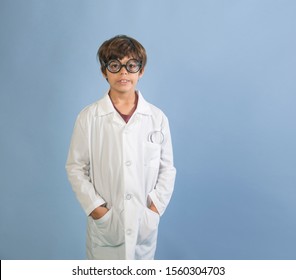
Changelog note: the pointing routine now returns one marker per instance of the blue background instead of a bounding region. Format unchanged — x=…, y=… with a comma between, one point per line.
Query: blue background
x=224, y=73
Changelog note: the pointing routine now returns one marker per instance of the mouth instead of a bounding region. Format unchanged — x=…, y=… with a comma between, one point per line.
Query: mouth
x=123, y=81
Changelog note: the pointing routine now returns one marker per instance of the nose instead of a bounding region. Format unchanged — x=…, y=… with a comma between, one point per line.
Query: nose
x=123, y=70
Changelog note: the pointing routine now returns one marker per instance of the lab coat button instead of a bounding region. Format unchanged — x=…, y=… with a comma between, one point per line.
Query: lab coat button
x=128, y=163
x=128, y=196
x=129, y=231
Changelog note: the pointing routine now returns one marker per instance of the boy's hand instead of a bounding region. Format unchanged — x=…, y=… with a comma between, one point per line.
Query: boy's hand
x=99, y=212
x=153, y=208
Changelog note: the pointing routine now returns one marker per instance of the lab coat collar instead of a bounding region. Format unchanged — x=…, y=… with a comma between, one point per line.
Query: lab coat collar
x=143, y=106
x=106, y=107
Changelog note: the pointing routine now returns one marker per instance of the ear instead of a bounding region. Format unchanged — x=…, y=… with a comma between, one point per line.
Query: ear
x=141, y=73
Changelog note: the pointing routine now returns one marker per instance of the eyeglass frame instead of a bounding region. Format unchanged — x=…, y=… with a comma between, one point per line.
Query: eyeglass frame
x=139, y=63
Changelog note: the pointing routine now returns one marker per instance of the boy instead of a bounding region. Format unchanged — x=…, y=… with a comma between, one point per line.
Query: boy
x=120, y=161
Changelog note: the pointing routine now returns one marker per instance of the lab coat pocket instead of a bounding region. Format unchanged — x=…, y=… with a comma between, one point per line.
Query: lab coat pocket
x=148, y=228
x=152, y=155
x=107, y=231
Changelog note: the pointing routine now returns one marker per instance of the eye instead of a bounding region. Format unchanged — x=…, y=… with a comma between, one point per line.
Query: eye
x=133, y=65
x=114, y=65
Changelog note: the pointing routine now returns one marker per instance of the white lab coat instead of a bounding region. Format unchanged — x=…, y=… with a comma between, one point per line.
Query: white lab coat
x=126, y=166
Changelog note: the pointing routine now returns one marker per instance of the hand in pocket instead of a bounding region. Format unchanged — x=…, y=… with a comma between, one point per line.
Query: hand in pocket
x=99, y=212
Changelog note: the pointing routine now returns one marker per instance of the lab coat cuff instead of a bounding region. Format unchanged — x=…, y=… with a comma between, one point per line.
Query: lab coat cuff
x=94, y=205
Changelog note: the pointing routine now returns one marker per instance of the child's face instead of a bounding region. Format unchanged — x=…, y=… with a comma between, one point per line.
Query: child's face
x=124, y=81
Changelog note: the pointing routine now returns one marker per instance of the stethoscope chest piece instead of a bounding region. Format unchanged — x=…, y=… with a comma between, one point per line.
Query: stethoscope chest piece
x=156, y=137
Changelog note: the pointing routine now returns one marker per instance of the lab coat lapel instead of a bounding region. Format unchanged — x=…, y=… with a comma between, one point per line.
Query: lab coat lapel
x=106, y=108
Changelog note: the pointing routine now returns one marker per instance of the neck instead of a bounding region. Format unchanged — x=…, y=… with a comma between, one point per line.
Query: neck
x=125, y=105
x=126, y=98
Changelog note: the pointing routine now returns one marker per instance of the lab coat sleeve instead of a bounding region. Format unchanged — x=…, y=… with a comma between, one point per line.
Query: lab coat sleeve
x=163, y=190
x=78, y=167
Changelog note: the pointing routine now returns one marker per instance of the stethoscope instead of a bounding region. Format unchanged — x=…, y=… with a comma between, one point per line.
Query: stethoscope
x=156, y=137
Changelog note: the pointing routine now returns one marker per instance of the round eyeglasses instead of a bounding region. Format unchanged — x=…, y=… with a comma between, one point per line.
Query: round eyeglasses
x=131, y=66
